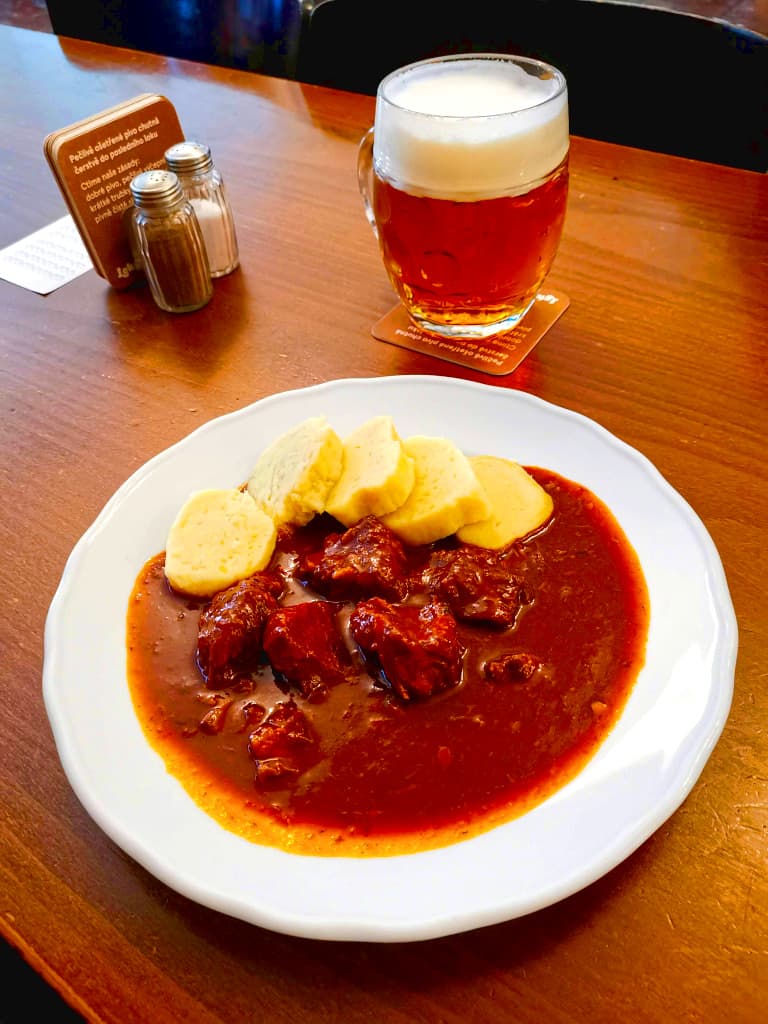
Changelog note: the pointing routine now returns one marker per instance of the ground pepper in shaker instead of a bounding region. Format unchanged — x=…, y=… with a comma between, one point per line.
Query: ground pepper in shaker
x=170, y=241
x=204, y=187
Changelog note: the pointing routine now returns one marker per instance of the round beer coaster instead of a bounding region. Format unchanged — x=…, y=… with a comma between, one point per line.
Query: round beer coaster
x=498, y=355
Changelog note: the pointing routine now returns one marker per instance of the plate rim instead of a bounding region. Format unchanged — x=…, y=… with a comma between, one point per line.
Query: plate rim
x=364, y=929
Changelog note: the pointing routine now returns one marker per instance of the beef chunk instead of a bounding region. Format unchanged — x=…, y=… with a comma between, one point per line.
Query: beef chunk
x=253, y=713
x=415, y=650
x=511, y=668
x=283, y=745
x=477, y=585
x=212, y=721
x=305, y=648
x=368, y=559
x=231, y=626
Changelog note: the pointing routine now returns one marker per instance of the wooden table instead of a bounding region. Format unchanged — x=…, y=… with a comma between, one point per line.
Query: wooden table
x=664, y=344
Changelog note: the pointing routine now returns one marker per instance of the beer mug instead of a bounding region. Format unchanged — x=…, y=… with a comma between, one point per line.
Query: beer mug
x=464, y=177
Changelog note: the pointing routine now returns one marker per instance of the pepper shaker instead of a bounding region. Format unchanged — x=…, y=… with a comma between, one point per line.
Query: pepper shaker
x=170, y=241
x=204, y=187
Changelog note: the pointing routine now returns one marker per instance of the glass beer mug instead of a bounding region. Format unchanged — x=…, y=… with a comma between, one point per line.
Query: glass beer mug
x=464, y=177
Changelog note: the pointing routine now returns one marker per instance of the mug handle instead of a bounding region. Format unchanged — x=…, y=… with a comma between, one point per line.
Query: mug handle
x=364, y=176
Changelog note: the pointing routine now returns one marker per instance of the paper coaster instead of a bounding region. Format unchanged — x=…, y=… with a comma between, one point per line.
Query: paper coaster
x=498, y=355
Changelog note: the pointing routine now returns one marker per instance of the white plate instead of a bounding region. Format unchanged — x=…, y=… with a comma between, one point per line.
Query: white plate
x=638, y=778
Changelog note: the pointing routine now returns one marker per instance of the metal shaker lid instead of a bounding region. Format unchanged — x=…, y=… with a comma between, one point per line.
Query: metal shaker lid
x=189, y=157
x=152, y=190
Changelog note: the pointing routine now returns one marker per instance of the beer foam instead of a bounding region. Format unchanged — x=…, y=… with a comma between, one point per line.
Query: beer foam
x=469, y=129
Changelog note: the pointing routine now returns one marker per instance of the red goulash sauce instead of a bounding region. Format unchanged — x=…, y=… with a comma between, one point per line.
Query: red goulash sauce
x=395, y=776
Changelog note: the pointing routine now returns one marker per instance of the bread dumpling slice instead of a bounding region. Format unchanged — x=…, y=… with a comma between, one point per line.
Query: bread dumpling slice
x=217, y=538
x=378, y=474
x=295, y=474
x=446, y=493
x=519, y=503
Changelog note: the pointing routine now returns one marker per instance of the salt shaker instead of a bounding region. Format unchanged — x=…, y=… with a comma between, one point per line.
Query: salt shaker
x=203, y=186
x=171, y=243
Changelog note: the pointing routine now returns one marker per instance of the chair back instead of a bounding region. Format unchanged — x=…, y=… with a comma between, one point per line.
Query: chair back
x=637, y=75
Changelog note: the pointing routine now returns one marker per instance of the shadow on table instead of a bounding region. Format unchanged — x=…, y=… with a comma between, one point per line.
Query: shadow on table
x=32, y=998
x=194, y=344
x=385, y=971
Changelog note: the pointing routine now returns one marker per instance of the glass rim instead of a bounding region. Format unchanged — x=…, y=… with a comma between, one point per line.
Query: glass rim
x=507, y=58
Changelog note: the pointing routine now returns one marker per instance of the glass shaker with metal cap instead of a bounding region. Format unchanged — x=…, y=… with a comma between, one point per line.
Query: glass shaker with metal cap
x=170, y=241
x=204, y=187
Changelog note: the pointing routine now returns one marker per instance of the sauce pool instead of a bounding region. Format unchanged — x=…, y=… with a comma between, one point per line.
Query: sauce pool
x=397, y=776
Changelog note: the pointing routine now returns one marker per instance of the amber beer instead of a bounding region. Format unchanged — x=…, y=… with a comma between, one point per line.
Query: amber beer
x=468, y=187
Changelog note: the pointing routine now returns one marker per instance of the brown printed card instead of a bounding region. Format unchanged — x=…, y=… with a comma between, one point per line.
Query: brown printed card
x=94, y=162
x=498, y=355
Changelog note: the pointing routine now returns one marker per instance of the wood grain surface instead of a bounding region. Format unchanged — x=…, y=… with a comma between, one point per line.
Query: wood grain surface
x=664, y=344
